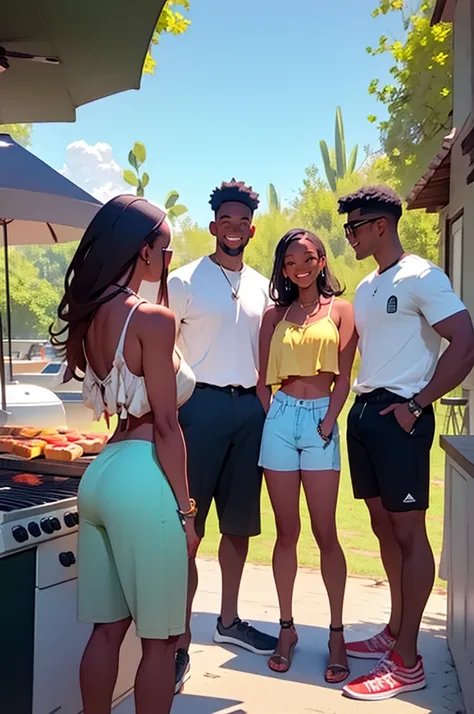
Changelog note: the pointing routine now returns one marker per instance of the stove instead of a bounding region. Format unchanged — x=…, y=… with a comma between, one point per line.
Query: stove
x=42, y=641
x=35, y=508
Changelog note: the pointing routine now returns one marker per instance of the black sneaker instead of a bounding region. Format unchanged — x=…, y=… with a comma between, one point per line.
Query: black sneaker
x=183, y=667
x=244, y=635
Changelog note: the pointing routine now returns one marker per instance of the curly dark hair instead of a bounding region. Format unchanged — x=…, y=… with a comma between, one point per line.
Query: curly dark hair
x=282, y=291
x=234, y=191
x=371, y=199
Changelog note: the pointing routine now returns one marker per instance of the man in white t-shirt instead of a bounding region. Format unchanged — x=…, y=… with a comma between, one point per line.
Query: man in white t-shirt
x=219, y=302
x=402, y=311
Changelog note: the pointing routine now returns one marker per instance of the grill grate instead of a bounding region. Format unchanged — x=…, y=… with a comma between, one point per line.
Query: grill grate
x=23, y=490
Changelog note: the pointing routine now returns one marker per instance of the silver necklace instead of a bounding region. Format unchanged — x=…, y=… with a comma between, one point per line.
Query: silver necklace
x=234, y=291
x=127, y=290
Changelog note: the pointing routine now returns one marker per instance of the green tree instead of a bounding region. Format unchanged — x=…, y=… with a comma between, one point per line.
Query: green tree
x=33, y=300
x=171, y=22
x=20, y=132
x=317, y=209
x=190, y=242
x=419, y=100
x=335, y=161
x=270, y=227
x=51, y=261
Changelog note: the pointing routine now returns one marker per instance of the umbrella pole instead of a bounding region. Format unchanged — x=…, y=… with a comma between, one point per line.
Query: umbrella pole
x=2, y=371
x=7, y=297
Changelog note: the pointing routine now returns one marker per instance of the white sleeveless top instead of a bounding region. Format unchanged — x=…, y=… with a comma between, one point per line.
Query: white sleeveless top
x=124, y=393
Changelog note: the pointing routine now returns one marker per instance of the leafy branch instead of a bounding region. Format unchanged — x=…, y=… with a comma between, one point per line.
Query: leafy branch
x=139, y=180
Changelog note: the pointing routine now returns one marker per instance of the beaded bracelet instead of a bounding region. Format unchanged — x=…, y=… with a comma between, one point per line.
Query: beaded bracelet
x=325, y=437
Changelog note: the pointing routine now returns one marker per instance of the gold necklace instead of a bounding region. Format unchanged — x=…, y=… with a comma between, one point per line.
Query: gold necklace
x=317, y=308
x=308, y=304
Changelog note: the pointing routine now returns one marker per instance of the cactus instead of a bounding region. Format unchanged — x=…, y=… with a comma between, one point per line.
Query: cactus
x=273, y=199
x=340, y=145
x=335, y=161
x=328, y=165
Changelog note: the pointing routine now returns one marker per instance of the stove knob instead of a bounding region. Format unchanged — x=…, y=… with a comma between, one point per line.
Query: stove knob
x=34, y=529
x=46, y=526
x=67, y=559
x=76, y=518
x=20, y=534
x=55, y=524
x=69, y=519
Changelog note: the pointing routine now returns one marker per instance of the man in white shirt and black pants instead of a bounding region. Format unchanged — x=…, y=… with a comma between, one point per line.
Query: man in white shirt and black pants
x=402, y=311
x=219, y=302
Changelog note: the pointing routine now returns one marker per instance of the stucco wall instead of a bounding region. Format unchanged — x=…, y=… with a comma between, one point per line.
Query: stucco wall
x=463, y=62
x=462, y=195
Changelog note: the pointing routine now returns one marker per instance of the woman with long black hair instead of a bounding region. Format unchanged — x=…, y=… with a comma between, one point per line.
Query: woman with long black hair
x=136, y=516
x=307, y=347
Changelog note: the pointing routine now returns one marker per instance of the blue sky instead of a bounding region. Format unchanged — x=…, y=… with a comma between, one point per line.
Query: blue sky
x=248, y=91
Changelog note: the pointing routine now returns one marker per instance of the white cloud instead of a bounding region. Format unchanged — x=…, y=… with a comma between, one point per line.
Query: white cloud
x=94, y=169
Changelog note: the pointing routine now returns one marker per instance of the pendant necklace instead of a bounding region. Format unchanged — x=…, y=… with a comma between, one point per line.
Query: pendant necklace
x=234, y=291
x=316, y=307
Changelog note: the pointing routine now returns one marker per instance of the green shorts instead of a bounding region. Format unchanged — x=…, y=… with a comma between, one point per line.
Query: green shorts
x=132, y=556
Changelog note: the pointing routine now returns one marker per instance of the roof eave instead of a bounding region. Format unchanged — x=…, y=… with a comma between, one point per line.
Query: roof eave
x=438, y=171
x=443, y=11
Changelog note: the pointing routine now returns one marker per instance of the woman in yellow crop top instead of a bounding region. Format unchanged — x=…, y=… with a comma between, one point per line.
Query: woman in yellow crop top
x=307, y=347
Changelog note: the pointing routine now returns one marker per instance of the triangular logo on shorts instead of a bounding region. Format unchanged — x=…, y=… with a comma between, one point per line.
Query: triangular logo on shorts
x=408, y=498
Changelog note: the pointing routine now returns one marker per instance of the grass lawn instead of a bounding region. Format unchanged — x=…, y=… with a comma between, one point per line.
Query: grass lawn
x=358, y=542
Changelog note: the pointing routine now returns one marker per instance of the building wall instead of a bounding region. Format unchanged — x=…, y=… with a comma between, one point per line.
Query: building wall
x=462, y=195
x=463, y=62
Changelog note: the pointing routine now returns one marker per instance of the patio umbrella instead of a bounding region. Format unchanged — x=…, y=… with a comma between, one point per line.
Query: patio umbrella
x=38, y=206
x=56, y=55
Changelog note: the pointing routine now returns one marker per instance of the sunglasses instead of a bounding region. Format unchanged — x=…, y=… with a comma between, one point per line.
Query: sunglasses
x=167, y=254
x=351, y=227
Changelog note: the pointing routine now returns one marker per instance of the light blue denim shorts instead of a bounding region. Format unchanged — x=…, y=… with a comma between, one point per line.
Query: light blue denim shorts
x=290, y=440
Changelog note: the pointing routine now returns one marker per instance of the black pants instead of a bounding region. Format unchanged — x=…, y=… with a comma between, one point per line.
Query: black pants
x=384, y=459
x=222, y=428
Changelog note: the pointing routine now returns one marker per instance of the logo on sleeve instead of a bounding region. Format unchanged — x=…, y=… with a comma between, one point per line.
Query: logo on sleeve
x=392, y=304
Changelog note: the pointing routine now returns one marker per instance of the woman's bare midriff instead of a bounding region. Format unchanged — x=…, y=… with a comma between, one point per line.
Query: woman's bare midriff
x=315, y=387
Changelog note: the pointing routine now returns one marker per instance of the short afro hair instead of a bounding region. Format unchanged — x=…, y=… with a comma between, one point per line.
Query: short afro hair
x=371, y=199
x=234, y=191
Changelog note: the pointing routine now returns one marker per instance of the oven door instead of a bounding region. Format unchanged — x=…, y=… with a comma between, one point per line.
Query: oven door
x=59, y=643
x=60, y=639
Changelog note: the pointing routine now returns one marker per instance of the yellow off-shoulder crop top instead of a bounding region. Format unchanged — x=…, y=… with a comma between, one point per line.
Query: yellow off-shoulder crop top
x=303, y=350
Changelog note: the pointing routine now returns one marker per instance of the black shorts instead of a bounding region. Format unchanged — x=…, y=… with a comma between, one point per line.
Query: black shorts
x=222, y=429
x=384, y=459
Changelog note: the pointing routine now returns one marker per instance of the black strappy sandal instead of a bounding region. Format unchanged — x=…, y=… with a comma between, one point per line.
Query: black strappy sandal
x=279, y=660
x=333, y=670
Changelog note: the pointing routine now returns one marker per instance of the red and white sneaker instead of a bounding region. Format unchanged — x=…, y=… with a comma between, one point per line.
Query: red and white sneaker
x=373, y=648
x=388, y=679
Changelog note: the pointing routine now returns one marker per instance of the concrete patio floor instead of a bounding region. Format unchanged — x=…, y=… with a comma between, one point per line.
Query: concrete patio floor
x=232, y=681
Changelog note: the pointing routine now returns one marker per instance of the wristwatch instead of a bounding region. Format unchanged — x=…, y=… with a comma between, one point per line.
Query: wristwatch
x=414, y=408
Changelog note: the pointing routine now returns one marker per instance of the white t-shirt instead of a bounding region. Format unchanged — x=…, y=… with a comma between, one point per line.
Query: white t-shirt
x=218, y=335
x=394, y=314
